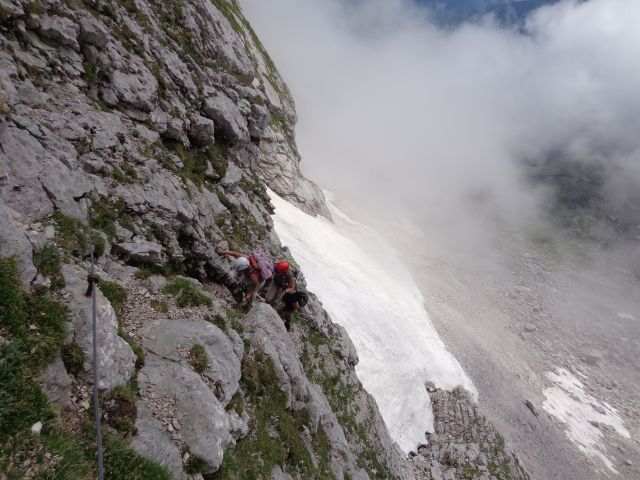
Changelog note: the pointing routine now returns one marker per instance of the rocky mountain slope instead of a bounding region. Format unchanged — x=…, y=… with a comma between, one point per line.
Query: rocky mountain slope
x=168, y=119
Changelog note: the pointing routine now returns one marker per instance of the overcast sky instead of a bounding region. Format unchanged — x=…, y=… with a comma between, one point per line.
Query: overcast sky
x=392, y=107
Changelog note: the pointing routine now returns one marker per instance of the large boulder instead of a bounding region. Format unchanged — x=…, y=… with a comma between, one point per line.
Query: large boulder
x=56, y=383
x=139, y=250
x=154, y=442
x=228, y=119
x=202, y=131
x=196, y=400
x=93, y=32
x=116, y=359
x=61, y=30
x=136, y=89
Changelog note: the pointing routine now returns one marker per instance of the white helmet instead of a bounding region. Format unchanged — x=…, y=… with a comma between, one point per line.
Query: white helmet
x=240, y=264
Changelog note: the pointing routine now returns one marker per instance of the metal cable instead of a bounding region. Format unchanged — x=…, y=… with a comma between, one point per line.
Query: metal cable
x=96, y=398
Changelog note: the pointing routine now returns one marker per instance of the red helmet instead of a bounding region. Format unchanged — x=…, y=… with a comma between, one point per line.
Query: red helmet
x=282, y=267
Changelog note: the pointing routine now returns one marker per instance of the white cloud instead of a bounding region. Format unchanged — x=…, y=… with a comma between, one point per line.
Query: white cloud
x=393, y=108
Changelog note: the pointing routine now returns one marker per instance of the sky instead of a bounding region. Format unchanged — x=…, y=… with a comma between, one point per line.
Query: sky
x=396, y=110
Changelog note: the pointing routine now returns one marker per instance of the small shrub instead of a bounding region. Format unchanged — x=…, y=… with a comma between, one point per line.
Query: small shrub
x=218, y=320
x=115, y=293
x=186, y=294
x=73, y=358
x=160, y=306
x=198, y=358
x=71, y=234
x=193, y=465
x=47, y=260
x=143, y=273
x=119, y=410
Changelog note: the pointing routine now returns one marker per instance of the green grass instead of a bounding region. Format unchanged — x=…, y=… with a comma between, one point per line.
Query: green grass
x=105, y=214
x=198, y=358
x=72, y=357
x=218, y=320
x=160, y=306
x=275, y=436
x=186, y=294
x=196, y=162
x=23, y=403
x=71, y=234
x=48, y=260
x=119, y=409
x=115, y=293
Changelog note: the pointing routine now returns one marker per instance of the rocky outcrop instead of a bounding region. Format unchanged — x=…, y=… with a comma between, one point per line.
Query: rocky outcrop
x=116, y=359
x=464, y=444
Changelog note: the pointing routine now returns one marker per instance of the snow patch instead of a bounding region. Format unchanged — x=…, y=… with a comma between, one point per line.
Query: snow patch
x=626, y=316
x=581, y=412
x=361, y=282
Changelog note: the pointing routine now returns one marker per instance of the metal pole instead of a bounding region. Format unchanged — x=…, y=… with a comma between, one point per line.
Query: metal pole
x=96, y=397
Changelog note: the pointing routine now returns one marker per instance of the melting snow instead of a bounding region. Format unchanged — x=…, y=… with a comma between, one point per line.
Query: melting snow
x=361, y=283
x=568, y=402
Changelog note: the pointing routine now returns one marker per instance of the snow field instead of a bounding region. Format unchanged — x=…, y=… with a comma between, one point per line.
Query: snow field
x=363, y=286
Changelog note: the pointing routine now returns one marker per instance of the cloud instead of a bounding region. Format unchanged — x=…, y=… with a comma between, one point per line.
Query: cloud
x=395, y=110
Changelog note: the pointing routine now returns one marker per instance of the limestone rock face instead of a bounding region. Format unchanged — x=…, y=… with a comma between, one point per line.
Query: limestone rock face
x=61, y=30
x=202, y=131
x=57, y=383
x=15, y=243
x=227, y=117
x=142, y=251
x=199, y=399
x=116, y=359
x=154, y=442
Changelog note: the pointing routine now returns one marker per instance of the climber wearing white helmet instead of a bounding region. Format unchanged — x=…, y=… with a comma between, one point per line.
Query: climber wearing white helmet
x=248, y=271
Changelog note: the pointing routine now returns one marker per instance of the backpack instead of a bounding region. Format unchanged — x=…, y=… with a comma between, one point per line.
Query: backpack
x=303, y=299
x=265, y=267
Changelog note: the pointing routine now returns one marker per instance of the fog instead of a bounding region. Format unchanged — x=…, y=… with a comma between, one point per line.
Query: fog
x=396, y=112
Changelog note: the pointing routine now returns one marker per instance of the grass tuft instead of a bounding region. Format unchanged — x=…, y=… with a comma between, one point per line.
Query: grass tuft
x=186, y=294
x=198, y=358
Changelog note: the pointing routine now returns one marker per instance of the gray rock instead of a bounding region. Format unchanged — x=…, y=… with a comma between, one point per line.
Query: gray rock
x=232, y=178
x=56, y=383
x=11, y=9
x=592, y=357
x=258, y=120
x=436, y=472
x=174, y=129
x=529, y=404
x=116, y=359
x=202, y=131
x=153, y=442
x=14, y=242
x=165, y=337
x=60, y=29
x=206, y=429
x=156, y=283
x=227, y=117
x=142, y=251
x=138, y=90
x=93, y=32
x=278, y=474
x=450, y=474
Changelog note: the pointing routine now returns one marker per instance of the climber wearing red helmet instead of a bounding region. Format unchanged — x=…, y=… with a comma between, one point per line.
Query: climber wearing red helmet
x=282, y=282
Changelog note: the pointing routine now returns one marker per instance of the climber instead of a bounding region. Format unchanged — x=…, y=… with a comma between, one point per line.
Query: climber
x=281, y=283
x=294, y=300
x=254, y=269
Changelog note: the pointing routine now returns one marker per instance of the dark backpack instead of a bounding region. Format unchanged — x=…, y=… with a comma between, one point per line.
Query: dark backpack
x=303, y=299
